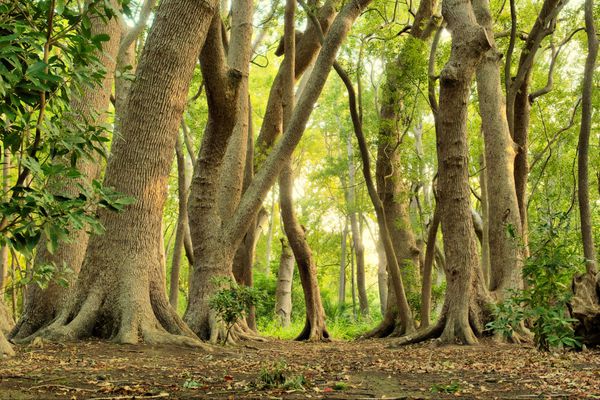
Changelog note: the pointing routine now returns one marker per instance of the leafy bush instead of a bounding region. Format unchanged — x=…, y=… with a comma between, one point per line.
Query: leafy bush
x=232, y=302
x=548, y=273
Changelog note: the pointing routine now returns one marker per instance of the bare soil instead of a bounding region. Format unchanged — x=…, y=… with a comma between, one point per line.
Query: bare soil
x=336, y=370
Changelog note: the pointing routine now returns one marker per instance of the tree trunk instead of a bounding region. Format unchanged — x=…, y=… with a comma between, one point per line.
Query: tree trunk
x=314, y=328
x=120, y=292
x=307, y=48
x=382, y=278
x=208, y=209
x=5, y=326
x=182, y=223
x=41, y=306
x=391, y=187
x=270, y=235
x=589, y=251
x=463, y=315
x=4, y=249
x=359, y=248
x=343, y=256
x=283, y=294
x=485, y=245
x=506, y=259
x=428, y=268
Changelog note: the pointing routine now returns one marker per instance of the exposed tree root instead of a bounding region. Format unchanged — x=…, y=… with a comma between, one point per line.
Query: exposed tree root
x=5, y=347
x=432, y=332
x=313, y=333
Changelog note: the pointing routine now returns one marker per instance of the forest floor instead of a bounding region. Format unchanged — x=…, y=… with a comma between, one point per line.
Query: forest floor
x=336, y=370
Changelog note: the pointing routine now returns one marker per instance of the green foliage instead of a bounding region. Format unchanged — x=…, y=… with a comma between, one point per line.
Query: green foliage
x=548, y=273
x=232, y=302
x=279, y=376
x=450, y=388
x=47, y=57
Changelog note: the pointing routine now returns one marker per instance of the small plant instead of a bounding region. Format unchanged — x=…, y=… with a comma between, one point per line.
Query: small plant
x=277, y=377
x=340, y=386
x=451, y=388
x=232, y=302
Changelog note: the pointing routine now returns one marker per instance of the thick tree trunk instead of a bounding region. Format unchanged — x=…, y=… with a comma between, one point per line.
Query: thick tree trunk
x=589, y=251
x=505, y=255
x=120, y=291
x=213, y=255
x=463, y=313
x=41, y=306
x=391, y=187
x=283, y=294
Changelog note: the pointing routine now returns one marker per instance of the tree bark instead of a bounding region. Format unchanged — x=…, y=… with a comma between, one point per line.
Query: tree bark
x=4, y=249
x=120, y=292
x=213, y=256
x=589, y=251
x=485, y=216
x=283, y=294
x=506, y=258
x=462, y=314
x=41, y=306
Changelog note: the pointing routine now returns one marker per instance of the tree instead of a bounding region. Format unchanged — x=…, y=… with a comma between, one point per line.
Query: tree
x=465, y=307
x=119, y=293
x=504, y=222
x=217, y=240
x=90, y=106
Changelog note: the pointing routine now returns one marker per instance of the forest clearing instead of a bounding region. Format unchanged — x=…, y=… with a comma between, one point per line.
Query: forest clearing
x=299, y=198
x=337, y=370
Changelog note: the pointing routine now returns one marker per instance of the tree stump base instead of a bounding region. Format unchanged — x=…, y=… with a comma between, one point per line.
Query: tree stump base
x=585, y=307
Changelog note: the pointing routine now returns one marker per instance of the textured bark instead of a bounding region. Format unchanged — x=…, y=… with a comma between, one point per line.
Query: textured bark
x=42, y=305
x=283, y=294
x=212, y=255
x=589, y=251
x=505, y=254
x=120, y=291
x=462, y=314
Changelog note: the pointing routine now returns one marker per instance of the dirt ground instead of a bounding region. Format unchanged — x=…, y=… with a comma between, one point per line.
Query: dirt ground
x=285, y=369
